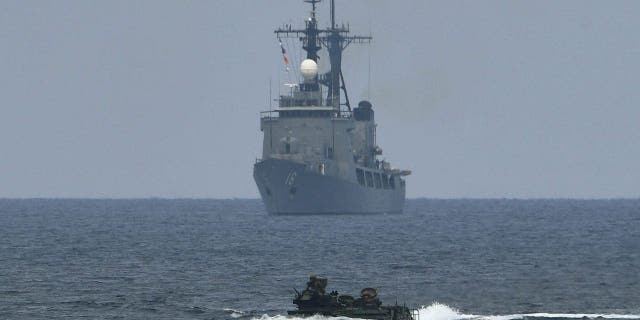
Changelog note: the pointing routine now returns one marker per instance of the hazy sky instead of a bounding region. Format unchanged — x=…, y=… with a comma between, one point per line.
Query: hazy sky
x=161, y=98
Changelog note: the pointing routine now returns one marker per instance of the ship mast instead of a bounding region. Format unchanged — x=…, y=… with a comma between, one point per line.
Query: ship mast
x=335, y=39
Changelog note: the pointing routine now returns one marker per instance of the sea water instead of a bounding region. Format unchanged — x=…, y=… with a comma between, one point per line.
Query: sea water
x=228, y=259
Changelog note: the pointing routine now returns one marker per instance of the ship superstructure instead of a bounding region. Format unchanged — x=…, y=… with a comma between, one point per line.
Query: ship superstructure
x=319, y=155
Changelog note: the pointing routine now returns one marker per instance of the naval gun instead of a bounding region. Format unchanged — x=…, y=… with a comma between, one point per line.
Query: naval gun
x=314, y=300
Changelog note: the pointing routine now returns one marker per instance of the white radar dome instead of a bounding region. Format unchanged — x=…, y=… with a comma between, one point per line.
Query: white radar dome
x=309, y=69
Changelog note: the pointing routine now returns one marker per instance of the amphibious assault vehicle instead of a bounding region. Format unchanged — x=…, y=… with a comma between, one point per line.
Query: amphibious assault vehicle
x=314, y=300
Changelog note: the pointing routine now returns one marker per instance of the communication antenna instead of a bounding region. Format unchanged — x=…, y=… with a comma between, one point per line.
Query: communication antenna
x=333, y=14
x=335, y=39
x=270, y=96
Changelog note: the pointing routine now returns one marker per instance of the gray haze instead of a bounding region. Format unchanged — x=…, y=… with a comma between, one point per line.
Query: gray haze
x=161, y=98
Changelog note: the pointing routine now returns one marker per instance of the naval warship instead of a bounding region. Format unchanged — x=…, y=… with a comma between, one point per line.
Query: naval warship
x=319, y=155
x=314, y=300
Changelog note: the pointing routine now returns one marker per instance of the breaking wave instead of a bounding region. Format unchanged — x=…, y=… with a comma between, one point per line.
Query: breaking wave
x=234, y=313
x=439, y=311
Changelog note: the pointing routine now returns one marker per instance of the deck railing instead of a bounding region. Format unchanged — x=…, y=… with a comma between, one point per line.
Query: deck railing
x=344, y=114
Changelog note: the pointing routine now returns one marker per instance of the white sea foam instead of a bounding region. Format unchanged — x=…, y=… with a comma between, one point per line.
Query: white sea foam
x=439, y=311
x=565, y=315
x=234, y=313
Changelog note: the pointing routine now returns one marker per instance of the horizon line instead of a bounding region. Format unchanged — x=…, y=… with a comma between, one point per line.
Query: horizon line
x=258, y=199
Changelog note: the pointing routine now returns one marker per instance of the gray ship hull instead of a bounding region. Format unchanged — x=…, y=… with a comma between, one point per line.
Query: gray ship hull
x=287, y=187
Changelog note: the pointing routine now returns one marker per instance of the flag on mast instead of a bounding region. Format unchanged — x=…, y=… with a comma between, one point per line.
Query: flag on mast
x=284, y=56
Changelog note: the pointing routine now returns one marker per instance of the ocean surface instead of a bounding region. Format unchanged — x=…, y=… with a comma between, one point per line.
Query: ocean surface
x=228, y=259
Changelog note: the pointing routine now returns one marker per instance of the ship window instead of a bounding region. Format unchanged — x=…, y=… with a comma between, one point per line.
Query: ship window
x=369, y=179
x=360, y=176
x=287, y=147
x=378, y=181
x=392, y=182
x=385, y=181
